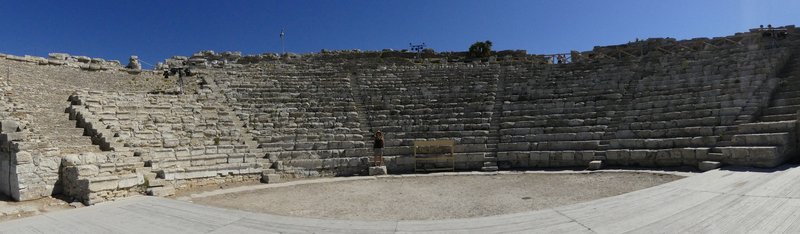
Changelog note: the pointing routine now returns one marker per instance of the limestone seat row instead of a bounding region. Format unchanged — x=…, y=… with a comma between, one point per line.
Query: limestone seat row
x=670, y=112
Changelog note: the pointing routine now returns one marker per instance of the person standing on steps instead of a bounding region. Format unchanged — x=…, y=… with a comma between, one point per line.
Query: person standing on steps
x=377, y=149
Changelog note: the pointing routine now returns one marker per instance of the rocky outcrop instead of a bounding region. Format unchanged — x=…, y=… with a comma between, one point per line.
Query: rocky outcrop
x=63, y=59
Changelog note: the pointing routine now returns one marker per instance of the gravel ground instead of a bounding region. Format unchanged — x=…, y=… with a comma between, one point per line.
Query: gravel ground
x=436, y=197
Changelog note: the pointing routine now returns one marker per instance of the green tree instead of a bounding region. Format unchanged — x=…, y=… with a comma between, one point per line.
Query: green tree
x=481, y=49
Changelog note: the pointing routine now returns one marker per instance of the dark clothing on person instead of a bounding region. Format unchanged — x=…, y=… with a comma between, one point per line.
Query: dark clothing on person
x=377, y=149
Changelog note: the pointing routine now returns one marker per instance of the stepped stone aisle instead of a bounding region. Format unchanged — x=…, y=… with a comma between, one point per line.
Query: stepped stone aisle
x=776, y=129
x=162, y=141
x=44, y=132
x=358, y=102
x=785, y=103
x=50, y=123
x=493, y=140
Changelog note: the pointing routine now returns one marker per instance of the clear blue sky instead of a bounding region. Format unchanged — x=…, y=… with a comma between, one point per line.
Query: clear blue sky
x=155, y=30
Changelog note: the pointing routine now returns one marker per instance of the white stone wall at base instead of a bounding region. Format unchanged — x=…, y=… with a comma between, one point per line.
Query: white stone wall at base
x=36, y=172
x=97, y=177
x=324, y=167
x=758, y=156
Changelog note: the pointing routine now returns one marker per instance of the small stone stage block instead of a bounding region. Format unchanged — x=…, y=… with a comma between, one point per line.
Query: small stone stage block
x=373, y=171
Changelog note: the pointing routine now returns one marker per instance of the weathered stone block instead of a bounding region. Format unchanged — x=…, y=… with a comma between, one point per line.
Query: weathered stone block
x=375, y=171
x=539, y=156
x=637, y=155
x=163, y=153
x=567, y=155
x=130, y=180
x=161, y=191
x=270, y=178
x=613, y=154
x=69, y=160
x=171, y=143
x=9, y=126
x=225, y=149
x=516, y=146
x=211, y=150
x=708, y=165
x=87, y=170
x=24, y=157
x=97, y=184
x=595, y=165
x=585, y=155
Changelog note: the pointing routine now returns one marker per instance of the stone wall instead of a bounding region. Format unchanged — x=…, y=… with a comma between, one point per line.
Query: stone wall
x=303, y=119
x=97, y=177
x=449, y=102
x=143, y=121
x=667, y=111
x=314, y=115
x=661, y=109
x=157, y=143
x=28, y=167
x=67, y=60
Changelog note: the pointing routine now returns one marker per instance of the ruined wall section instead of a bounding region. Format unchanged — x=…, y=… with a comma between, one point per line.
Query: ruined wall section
x=9, y=183
x=175, y=141
x=37, y=133
x=74, y=61
x=28, y=167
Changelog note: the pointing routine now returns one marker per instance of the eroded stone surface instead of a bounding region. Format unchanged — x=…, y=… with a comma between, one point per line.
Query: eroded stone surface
x=129, y=131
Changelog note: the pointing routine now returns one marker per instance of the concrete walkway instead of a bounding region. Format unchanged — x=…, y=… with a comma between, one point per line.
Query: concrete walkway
x=721, y=201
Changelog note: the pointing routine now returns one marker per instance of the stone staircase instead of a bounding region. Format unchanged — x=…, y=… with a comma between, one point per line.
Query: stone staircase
x=358, y=102
x=491, y=163
x=786, y=100
x=776, y=122
x=56, y=128
x=210, y=94
x=50, y=136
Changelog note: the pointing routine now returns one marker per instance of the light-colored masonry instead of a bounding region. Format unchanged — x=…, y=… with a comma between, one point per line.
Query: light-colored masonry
x=653, y=103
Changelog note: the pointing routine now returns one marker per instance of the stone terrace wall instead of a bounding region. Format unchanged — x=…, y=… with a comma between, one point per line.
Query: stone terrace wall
x=657, y=110
x=448, y=102
x=305, y=117
x=36, y=132
x=9, y=136
x=175, y=141
x=28, y=167
x=665, y=111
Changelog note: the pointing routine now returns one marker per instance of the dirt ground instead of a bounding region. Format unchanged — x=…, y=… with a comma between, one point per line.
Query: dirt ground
x=436, y=197
x=10, y=209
